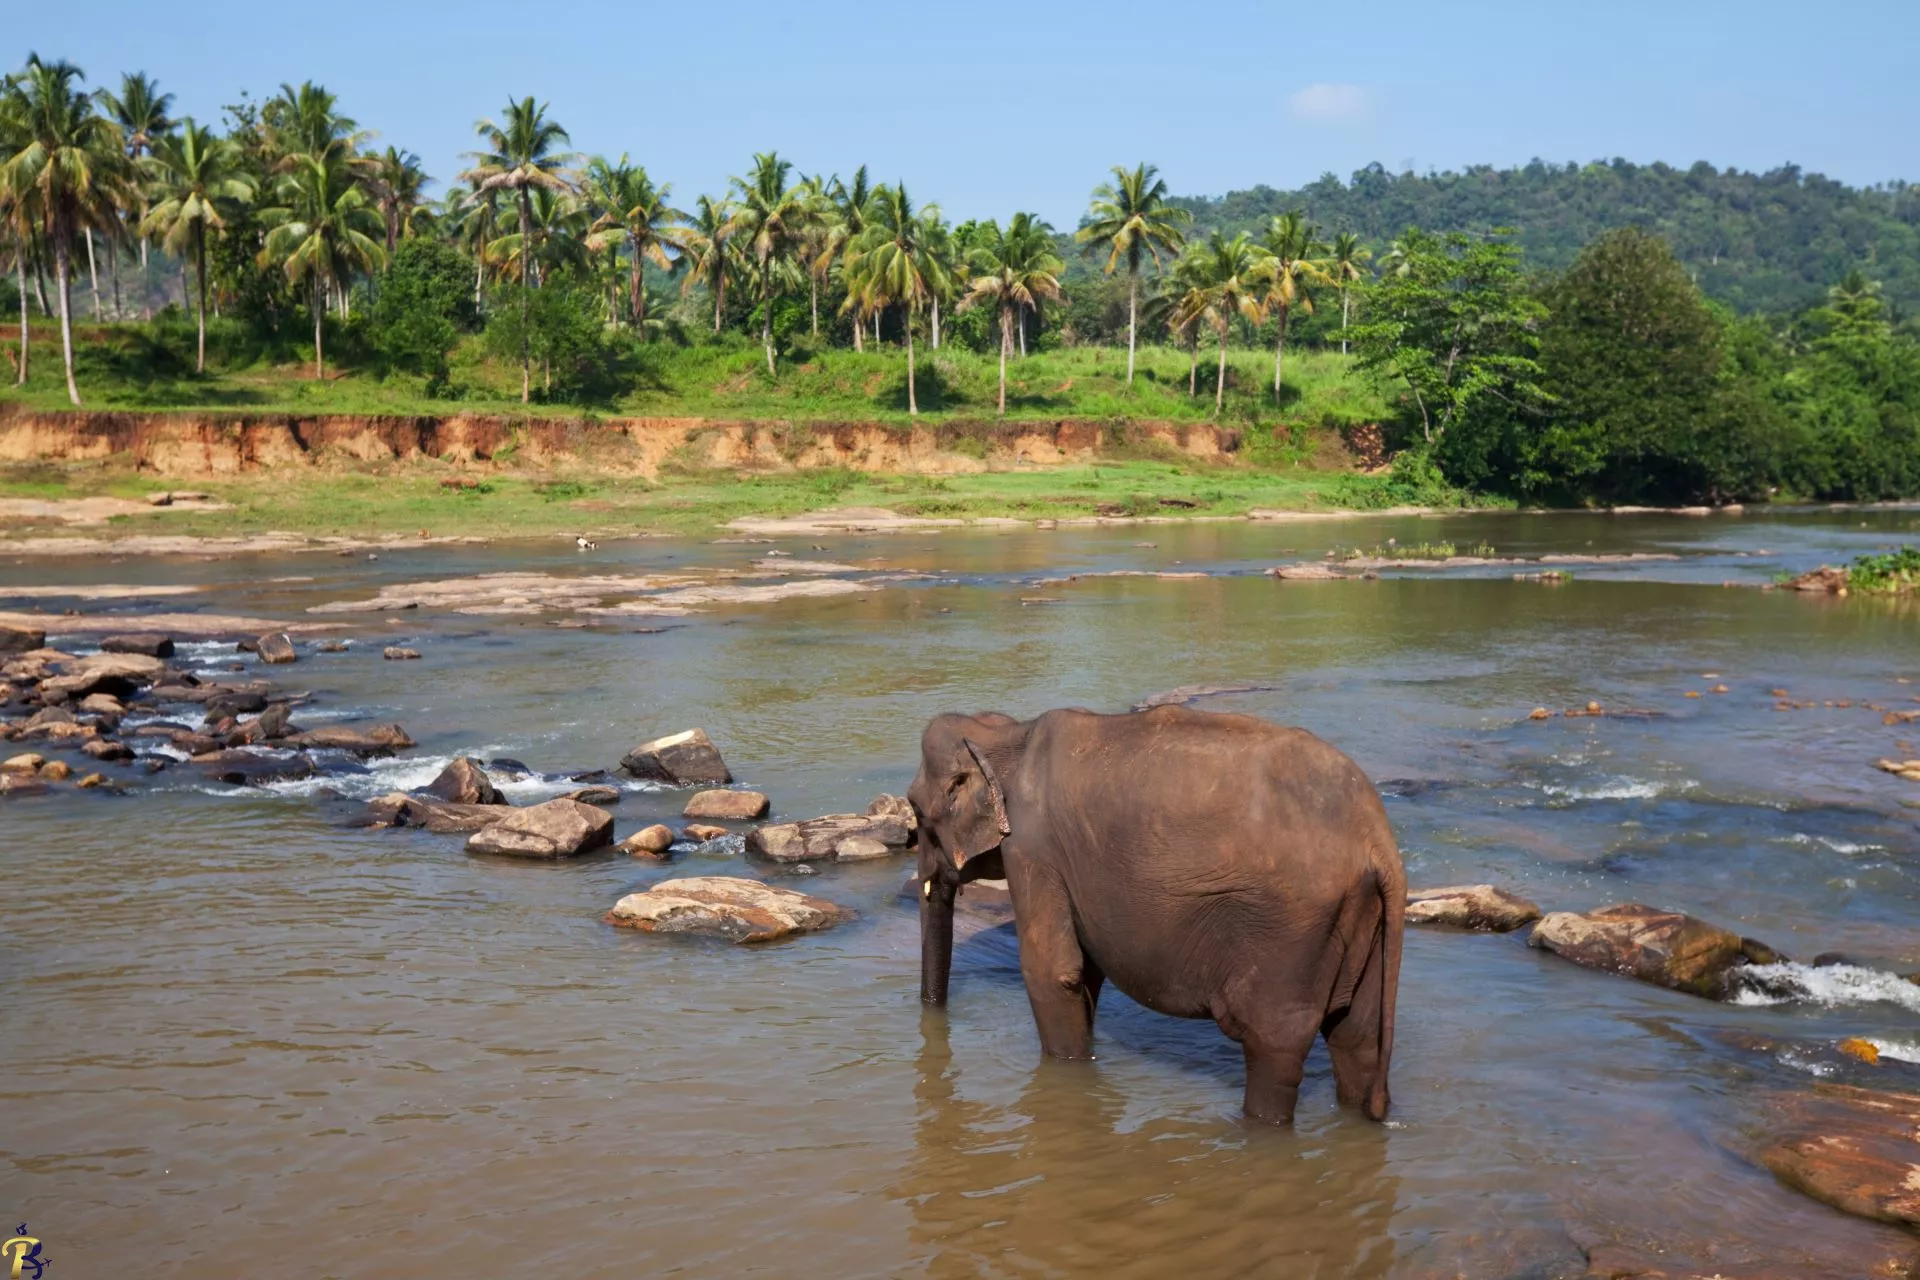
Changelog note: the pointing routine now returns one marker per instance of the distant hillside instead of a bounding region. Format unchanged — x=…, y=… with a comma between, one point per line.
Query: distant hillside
x=1759, y=242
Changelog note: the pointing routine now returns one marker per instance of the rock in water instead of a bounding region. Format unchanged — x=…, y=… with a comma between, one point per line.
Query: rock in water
x=21, y=639
x=683, y=759
x=896, y=807
x=26, y=763
x=727, y=907
x=107, y=749
x=649, y=841
x=465, y=782
x=1471, y=906
x=821, y=837
x=1666, y=948
x=276, y=648
x=704, y=832
x=247, y=768
x=381, y=740
x=151, y=643
x=602, y=796
x=727, y=806
x=395, y=653
x=556, y=829
x=119, y=674
x=398, y=809
x=1855, y=1149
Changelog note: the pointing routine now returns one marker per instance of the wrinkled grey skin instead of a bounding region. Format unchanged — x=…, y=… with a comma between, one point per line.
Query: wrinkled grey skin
x=1211, y=866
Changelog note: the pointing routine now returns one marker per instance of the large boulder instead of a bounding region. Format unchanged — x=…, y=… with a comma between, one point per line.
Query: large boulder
x=556, y=829
x=27, y=762
x=465, y=782
x=683, y=759
x=1666, y=948
x=1855, y=1149
x=1471, y=906
x=119, y=674
x=153, y=644
x=649, y=842
x=21, y=639
x=250, y=768
x=276, y=648
x=269, y=726
x=381, y=740
x=398, y=809
x=818, y=838
x=726, y=806
x=726, y=907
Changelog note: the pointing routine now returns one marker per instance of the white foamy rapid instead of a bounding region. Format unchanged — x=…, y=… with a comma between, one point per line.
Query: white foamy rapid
x=1831, y=986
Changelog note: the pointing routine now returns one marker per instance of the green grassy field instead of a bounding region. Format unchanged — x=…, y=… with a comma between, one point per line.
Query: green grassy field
x=150, y=367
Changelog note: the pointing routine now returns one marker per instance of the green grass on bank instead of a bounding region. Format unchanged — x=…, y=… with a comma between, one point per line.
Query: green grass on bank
x=406, y=499
x=148, y=367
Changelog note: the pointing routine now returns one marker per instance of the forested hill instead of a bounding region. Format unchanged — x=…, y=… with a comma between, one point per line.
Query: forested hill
x=1757, y=241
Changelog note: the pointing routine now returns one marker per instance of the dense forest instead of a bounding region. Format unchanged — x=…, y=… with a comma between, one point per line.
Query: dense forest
x=1639, y=334
x=1769, y=242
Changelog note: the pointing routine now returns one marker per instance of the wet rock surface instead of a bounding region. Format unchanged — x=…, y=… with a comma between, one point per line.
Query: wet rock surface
x=430, y=813
x=1483, y=907
x=153, y=644
x=463, y=781
x=21, y=639
x=649, y=841
x=1666, y=948
x=682, y=759
x=1855, y=1149
x=726, y=806
x=276, y=648
x=818, y=838
x=728, y=907
x=556, y=829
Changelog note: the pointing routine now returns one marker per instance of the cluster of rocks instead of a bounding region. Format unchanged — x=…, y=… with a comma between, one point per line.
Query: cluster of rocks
x=234, y=731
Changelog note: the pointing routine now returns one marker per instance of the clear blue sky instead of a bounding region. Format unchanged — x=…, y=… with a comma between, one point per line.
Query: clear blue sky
x=1000, y=105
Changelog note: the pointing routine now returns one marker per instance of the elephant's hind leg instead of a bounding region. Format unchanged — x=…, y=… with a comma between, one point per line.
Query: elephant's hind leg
x=1275, y=1042
x=1353, y=1037
x=1063, y=983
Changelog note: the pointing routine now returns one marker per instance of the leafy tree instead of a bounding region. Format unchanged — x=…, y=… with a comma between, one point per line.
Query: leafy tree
x=771, y=221
x=19, y=211
x=1347, y=266
x=896, y=266
x=140, y=109
x=196, y=176
x=424, y=304
x=321, y=228
x=1854, y=397
x=1222, y=280
x=559, y=328
x=1292, y=246
x=69, y=157
x=711, y=254
x=1453, y=327
x=634, y=213
x=1132, y=219
x=522, y=154
x=1011, y=270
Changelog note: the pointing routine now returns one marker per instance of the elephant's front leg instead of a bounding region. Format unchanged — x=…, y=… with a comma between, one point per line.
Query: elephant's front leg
x=1063, y=983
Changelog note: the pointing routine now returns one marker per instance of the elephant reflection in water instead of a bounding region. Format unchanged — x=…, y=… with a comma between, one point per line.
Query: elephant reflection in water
x=1059, y=1184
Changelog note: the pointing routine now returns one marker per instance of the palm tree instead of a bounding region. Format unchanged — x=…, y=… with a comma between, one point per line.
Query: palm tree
x=140, y=109
x=469, y=215
x=1221, y=283
x=1349, y=267
x=632, y=211
x=304, y=122
x=896, y=266
x=1292, y=246
x=712, y=257
x=398, y=185
x=945, y=282
x=522, y=154
x=1131, y=219
x=771, y=219
x=1012, y=271
x=323, y=228
x=18, y=211
x=69, y=156
x=848, y=204
x=195, y=173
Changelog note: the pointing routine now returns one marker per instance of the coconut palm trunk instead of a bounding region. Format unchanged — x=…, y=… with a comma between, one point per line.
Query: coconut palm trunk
x=146, y=283
x=93, y=275
x=1220, y=379
x=200, y=265
x=1279, y=352
x=1343, y=322
x=719, y=301
x=1006, y=345
x=113, y=274
x=1133, y=312
x=766, y=327
x=913, y=405
x=1193, y=365
x=316, y=303
x=813, y=299
x=63, y=287
x=20, y=267
x=526, y=295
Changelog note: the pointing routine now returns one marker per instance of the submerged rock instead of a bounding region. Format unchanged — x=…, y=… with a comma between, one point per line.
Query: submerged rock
x=556, y=829
x=396, y=653
x=683, y=759
x=1855, y=1149
x=276, y=648
x=727, y=806
x=1483, y=907
x=153, y=644
x=1666, y=948
x=465, y=782
x=726, y=907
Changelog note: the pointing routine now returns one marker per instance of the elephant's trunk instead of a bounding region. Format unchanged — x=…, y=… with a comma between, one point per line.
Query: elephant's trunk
x=936, y=938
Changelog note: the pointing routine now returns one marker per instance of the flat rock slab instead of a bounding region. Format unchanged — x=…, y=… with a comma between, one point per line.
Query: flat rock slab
x=1666, y=948
x=818, y=838
x=152, y=644
x=683, y=759
x=381, y=740
x=116, y=673
x=445, y=817
x=556, y=829
x=1855, y=1149
x=1484, y=907
x=726, y=806
x=726, y=907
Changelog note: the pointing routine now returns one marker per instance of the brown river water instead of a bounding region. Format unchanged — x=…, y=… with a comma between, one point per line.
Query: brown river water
x=242, y=1038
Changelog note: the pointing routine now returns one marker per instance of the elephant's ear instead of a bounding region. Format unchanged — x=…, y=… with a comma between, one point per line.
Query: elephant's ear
x=979, y=809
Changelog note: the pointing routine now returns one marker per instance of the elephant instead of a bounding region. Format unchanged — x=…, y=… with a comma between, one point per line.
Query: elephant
x=1212, y=866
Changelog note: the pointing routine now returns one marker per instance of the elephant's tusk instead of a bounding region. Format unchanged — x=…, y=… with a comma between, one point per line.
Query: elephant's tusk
x=926, y=888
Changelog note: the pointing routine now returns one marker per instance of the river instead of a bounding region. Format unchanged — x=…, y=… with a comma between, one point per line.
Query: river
x=242, y=1038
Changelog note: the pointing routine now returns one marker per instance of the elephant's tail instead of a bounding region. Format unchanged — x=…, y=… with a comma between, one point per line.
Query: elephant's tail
x=1390, y=879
